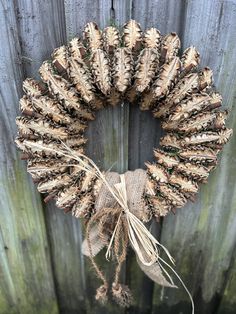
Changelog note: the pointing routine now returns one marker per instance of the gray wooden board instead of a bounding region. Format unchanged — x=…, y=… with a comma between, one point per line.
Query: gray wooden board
x=202, y=235
x=42, y=29
x=26, y=275
x=44, y=266
x=108, y=134
x=228, y=298
x=145, y=131
x=68, y=264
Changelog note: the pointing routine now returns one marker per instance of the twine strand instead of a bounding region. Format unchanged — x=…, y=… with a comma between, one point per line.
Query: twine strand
x=97, y=269
x=142, y=241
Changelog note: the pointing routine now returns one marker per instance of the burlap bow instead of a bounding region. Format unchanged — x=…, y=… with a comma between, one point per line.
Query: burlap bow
x=108, y=228
x=117, y=221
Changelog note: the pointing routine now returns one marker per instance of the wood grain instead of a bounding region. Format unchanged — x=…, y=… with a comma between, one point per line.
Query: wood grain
x=42, y=269
x=26, y=275
x=45, y=21
x=145, y=133
x=108, y=134
x=202, y=235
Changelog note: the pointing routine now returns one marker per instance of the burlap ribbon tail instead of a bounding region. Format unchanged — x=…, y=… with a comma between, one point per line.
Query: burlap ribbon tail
x=110, y=227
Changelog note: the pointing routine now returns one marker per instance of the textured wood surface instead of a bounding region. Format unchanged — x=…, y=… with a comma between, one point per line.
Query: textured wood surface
x=41, y=26
x=26, y=277
x=105, y=133
x=202, y=235
x=42, y=269
x=145, y=133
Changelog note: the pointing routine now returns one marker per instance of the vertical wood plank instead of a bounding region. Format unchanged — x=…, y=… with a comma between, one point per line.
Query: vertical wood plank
x=202, y=235
x=26, y=281
x=65, y=234
x=122, y=11
x=145, y=133
x=42, y=28
x=108, y=134
x=108, y=140
x=228, y=299
x=77, y=15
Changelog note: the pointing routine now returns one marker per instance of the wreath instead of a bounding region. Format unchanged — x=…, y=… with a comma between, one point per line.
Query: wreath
x=107, y=68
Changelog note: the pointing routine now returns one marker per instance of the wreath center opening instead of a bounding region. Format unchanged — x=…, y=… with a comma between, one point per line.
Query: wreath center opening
x=117, y=132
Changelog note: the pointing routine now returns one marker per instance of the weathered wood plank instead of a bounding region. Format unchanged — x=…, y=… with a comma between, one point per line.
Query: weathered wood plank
x=145, y=132
x=228, y=299
x=79, y=13
x=65, y=234
x=202, y=235
x=164, y=15
x=42, y=28
x=108, y=134
x=122, y=12
x=26, y=281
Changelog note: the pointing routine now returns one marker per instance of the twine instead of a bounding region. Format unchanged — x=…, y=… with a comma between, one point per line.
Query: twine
x=142, y=241
x=120, y=249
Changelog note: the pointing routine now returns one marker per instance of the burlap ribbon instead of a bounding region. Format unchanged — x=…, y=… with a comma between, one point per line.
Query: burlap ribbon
x=118, y=220
x=99, y=237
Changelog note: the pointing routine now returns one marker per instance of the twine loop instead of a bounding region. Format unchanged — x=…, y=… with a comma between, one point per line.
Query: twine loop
x=104, y=217
x=142, y=241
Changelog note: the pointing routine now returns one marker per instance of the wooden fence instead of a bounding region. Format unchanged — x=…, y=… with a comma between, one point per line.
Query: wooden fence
x=42, y=269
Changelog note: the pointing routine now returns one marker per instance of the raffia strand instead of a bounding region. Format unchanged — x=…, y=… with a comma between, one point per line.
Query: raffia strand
x=142, y=241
